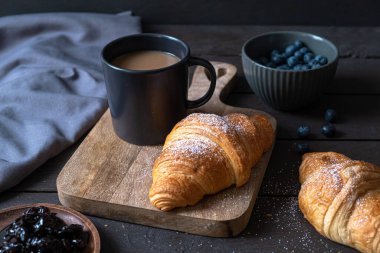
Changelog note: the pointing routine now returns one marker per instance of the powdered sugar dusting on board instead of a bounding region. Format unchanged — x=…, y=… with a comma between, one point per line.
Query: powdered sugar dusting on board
x=291, y=232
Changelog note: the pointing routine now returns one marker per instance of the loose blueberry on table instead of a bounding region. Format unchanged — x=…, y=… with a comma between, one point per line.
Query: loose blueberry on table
x=39, y=230
x=296, y=56
x=328, y=130
x=303, y=131
x=330, y=115
x=302, y=148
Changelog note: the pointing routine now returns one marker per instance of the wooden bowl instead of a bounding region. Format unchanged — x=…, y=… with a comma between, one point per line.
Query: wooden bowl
x=69, y=216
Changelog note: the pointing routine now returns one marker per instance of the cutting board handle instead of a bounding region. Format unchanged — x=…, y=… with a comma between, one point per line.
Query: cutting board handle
x=225, y=74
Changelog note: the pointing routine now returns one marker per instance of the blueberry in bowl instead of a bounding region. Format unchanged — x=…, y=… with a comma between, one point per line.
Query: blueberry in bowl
x=298, y=67
x=296, y=56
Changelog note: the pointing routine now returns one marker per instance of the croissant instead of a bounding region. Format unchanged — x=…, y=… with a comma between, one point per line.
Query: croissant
x=205, y=153
x=340, y=197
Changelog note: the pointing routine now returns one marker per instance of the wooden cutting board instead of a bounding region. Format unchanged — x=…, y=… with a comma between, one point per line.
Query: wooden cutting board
x=110, y=178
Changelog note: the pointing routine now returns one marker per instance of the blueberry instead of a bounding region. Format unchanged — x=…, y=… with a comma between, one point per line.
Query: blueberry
x=330, y=115
x=298, y=67
x=308, y=57
x=292, y=61
x=303, y=131
x=321, y=59
x=277, y=58
x=298, y=44
x=302, y=148
x=289, y=50
x=312, y=62
x=304, y=50
x=274, y=52
x=298, y=54
x=328, y=130
x=288, y=54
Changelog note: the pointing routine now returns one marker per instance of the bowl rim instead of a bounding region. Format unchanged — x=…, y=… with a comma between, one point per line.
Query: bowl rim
x=244, y=53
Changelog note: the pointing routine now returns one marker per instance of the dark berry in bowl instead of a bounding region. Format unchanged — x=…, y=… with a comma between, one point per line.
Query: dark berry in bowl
x=299, y=67
x=298, y=44
x=322, y=60
x=39, y=230
x=275, y=52
x=298, y=55
x=315, y=66
x=298, y=85
x=277, y=59
x=328, y=130
x=292, y=61
x=304, y=50
x=330, y=115
x=303, y=131
x=308, y=57
x=289, y=50
x=302, y=148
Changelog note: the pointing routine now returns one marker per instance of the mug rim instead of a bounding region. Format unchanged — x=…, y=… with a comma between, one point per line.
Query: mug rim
x=148, y=71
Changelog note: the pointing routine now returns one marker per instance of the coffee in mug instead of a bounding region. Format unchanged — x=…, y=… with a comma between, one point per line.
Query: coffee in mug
x=147, y=81
x=145, y=60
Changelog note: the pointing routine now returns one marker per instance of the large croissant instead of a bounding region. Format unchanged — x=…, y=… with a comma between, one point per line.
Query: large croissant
x=205, y=153
x=340, y=197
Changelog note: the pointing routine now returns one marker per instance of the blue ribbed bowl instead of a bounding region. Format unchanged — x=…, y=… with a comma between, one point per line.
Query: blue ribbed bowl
x=288, y=89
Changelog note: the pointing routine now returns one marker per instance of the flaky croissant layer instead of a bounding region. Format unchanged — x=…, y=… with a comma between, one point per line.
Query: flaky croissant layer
x=205, y=153
x=340, y=197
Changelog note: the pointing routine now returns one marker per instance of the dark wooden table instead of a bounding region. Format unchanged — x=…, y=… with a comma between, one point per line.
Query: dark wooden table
x=276, y=224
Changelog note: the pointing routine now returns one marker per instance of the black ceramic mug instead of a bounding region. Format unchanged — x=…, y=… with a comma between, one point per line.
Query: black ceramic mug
x=146, y=104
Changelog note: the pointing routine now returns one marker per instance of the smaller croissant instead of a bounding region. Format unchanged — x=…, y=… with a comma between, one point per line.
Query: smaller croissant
x=205, y=153
x=340, y=197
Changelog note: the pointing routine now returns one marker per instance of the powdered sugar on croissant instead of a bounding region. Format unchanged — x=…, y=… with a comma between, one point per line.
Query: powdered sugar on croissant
x=340, y=197
x=205, y=153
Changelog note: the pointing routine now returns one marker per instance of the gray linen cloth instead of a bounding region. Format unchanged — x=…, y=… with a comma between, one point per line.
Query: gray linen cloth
x=51, y=84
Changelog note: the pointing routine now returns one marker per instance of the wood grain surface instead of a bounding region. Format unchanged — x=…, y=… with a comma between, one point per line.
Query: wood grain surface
x=276, y=224
x=110, y=178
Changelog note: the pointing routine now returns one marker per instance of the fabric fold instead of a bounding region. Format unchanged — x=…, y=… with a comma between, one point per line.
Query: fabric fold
x=51, y=84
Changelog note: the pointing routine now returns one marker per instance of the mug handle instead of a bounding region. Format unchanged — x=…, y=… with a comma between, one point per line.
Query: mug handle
x=190, y=104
